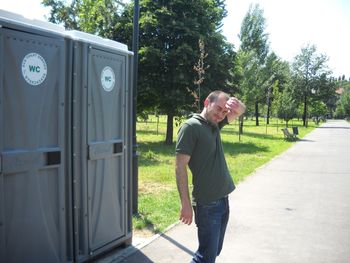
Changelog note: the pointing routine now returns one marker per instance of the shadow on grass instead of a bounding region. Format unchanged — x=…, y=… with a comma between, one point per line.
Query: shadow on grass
x=165, y=149
x=252, y=135
x=238, y=147
x=153, y=153
x=150, y=132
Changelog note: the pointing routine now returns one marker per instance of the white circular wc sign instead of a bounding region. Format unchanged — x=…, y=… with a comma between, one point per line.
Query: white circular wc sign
x=107, y=78
x=34, y=69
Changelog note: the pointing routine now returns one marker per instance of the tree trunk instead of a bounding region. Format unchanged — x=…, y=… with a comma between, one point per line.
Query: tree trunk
x=240, y=127
x=305, y=111
x=257, y=113
x=169, y=129
x=268, y=113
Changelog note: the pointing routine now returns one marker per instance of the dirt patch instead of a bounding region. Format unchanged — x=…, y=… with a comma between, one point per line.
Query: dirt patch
x=151, y=187
x=143, y=232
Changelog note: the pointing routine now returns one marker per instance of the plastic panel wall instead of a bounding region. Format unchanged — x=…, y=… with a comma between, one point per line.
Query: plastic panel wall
x=32, y=148
x=101, y=149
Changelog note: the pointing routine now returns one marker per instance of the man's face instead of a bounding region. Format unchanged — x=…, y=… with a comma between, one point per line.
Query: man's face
x=216, y=111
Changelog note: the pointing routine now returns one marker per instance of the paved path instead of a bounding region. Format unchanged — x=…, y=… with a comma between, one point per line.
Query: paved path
x=295, y=209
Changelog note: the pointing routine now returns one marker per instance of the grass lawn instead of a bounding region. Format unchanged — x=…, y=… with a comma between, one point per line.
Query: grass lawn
x=158, y=198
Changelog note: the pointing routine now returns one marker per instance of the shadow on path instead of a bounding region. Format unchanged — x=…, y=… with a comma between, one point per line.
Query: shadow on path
x=137, y=257
x=174, y=242
x=331, y=127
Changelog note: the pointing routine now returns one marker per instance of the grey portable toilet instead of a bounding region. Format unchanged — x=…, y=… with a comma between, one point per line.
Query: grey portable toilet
x=34, y=178
x=102, y=144
x=65, y=143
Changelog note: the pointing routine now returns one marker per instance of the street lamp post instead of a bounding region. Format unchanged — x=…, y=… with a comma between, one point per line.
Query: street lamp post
x=135, y=47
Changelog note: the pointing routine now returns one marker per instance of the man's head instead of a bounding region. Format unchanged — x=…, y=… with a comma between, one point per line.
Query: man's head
x=215, y=109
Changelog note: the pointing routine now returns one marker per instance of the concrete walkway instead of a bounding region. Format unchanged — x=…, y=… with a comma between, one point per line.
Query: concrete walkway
x=294, y=209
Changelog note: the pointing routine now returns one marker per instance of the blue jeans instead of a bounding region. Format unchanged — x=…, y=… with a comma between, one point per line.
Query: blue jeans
x=211, y=220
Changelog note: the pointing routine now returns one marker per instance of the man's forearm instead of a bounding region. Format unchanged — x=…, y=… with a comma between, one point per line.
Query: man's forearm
x=182, y=185
x=186, y=212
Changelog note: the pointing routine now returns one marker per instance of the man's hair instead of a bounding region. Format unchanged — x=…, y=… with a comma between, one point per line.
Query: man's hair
x=213, y=96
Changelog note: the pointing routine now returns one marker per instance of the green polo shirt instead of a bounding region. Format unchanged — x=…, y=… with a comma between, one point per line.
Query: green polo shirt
x=210, y=176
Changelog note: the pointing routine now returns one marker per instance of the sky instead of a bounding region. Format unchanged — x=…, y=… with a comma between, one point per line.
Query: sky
x=291, y=25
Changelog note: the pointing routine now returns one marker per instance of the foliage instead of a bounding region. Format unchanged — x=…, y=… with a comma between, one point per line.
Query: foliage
x=325, y=92
x=318, y=111
x=91, y=16
x=286, y=106
x=169, y=33
x=343, y=104
x=308, y=70
x=253, y=57
x=252, y=35
x=247, y=66
x=276, y=100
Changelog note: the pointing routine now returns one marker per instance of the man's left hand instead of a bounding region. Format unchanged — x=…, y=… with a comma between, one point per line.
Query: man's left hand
x=236, y=108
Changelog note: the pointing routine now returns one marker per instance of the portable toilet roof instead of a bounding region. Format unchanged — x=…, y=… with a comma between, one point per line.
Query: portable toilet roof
x=97, y=40
x=16, y=19
x=19, y=20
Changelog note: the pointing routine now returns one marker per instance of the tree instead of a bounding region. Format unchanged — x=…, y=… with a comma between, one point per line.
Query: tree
x=318, y=111
x=91, y=16
x=269, y=78
x=254, y=43
x=286, y=106
x=276, y=99
x=247, y=65
x=200, y=68
x=343, y=104
x=308, y=67
x=252, y=34
x=169, y=33
x=281, y=79
x=324, y=92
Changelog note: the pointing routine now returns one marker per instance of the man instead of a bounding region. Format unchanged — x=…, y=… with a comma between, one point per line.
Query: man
x=199, y=146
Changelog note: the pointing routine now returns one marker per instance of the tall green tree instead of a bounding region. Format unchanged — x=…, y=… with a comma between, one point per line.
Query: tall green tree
x=246, y=68
x=252, y=34
x=269, y=77
x=308, y=68
x=276, y=98
x=169, y=33
x=286, y=105
x=325, y=92
x=254, y=43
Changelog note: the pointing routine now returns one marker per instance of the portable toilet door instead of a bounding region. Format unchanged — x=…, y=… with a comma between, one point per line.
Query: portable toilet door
x=106, y=138
x=101, y=150
x=32, y=144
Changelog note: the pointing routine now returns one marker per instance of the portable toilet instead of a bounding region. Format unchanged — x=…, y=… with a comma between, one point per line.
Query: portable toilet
x=34, y=178
x=102, y=144
x=65, y=143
